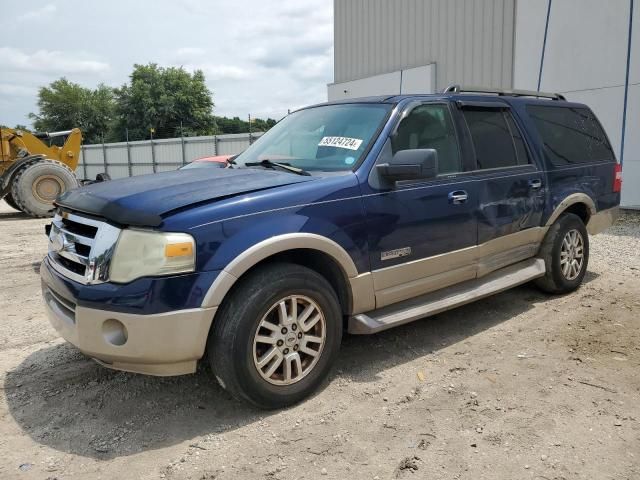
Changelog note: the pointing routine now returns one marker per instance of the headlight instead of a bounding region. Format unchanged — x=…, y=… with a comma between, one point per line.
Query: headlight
x=142, y=253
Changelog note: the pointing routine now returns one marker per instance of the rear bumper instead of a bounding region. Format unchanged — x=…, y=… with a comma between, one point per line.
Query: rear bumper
x=602, y=220
x=168, y=343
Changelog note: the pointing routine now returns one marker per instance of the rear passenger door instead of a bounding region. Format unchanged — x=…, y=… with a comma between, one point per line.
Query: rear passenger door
x=510, y=186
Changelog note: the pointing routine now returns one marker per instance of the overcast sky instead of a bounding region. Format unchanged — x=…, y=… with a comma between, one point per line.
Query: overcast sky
x=259, y=57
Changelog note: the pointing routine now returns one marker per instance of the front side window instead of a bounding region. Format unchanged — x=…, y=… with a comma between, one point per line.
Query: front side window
x=430, y=126
x=571, y=135
x=326, y=138
x=497, y=142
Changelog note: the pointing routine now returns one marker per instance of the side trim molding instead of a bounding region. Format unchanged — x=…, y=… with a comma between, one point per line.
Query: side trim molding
x=362, y=296
x=407, y=280
x=446, y=299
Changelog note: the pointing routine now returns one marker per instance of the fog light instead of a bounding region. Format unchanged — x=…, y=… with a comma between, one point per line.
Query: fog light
x=114, y=332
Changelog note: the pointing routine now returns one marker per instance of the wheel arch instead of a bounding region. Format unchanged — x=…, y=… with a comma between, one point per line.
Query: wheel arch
x=580, y=204
x=321, y=254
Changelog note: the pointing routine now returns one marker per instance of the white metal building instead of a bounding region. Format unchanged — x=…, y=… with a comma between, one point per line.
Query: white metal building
x=590, y=53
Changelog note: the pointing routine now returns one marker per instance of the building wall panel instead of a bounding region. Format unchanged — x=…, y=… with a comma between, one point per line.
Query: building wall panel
x=585, y=59
x=469, y=45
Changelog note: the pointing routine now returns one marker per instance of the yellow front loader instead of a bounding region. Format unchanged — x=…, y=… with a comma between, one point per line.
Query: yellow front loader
x=32, y=173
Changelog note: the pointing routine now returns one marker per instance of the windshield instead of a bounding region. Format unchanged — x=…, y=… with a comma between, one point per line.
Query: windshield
x=327, y=138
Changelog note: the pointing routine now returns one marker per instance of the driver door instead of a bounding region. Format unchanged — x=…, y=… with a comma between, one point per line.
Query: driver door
x=420, y=231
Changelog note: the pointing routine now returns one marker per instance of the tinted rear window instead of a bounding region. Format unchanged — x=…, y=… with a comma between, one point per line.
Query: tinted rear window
x=496, y=140
x=571, y=135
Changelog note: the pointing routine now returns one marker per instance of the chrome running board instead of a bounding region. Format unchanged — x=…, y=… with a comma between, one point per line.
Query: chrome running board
x=447, y=298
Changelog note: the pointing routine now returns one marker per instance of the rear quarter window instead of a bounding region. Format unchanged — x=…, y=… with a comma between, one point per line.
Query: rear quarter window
x=571, y=135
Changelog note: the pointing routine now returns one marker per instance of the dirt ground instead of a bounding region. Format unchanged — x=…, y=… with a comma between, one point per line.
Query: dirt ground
x=517, y=386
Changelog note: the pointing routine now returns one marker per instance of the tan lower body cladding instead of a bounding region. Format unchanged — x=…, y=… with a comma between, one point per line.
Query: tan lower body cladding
x=418, y=277
x=411, y=279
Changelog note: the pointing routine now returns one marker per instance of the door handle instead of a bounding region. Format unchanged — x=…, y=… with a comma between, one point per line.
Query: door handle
x=535, y=183
x=458, y=197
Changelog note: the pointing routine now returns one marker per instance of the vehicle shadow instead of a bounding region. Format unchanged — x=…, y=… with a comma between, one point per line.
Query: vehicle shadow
x=15, y=215
x=365, y=357
x=65, y=401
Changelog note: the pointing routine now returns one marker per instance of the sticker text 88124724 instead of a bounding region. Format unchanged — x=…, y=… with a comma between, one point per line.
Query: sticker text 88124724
x=341, y=142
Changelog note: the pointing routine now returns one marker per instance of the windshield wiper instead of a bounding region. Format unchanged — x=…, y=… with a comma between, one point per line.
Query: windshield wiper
x=284, y=166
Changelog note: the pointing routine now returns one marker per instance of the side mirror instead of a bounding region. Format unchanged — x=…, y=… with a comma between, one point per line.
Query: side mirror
x=410, y=165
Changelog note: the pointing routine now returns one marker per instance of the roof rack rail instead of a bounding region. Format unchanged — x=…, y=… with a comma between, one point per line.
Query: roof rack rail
x=454, y=88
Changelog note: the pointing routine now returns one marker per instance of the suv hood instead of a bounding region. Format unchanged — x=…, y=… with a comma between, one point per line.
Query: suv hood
x=145, y=199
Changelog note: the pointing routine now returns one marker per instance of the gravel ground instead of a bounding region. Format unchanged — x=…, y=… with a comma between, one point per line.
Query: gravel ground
x=517, y=386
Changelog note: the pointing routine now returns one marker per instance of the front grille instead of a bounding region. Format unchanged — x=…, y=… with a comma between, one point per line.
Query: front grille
x=79, y=228
x=75, y=267
x=80, y=248
x=84, y=250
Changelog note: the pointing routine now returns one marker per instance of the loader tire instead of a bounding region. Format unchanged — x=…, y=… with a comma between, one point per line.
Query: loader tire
x=37, y=185
x=11, y=202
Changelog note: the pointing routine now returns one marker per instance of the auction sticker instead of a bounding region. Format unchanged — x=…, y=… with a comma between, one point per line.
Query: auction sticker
x=341, y=142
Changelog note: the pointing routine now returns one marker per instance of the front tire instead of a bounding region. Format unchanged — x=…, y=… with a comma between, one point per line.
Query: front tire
x=38, y=184
x=565, y=251
x=276, y=337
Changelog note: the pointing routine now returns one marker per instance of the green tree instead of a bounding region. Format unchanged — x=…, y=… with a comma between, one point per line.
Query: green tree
x=164, y=99
x=259, y=125
x=17, y=127
x=231, y=125
x=64, y=105
x=236, y=125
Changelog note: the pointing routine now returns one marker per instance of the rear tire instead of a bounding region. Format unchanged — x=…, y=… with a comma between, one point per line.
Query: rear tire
x=38, y=184
x=565, y=251
x=263, y=349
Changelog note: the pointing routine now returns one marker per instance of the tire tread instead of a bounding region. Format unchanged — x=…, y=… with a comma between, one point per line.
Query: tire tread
x=17, y=193
x=223, y=342
x=552, y=282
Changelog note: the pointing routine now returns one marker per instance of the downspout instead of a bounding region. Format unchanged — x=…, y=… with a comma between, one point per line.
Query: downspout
x=544, y=43
x=626, y=83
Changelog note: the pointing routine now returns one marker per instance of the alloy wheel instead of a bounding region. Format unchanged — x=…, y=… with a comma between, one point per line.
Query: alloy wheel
x=572, y=254
x=289, y=340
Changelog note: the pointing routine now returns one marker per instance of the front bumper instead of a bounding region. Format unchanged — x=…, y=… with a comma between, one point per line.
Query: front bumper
x=168, y=343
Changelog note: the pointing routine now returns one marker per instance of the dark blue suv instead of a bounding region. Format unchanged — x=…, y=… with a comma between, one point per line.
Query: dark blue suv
x=358, y=215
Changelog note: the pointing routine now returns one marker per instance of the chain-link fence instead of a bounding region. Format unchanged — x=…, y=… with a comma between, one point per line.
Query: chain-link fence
x=126, y=159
